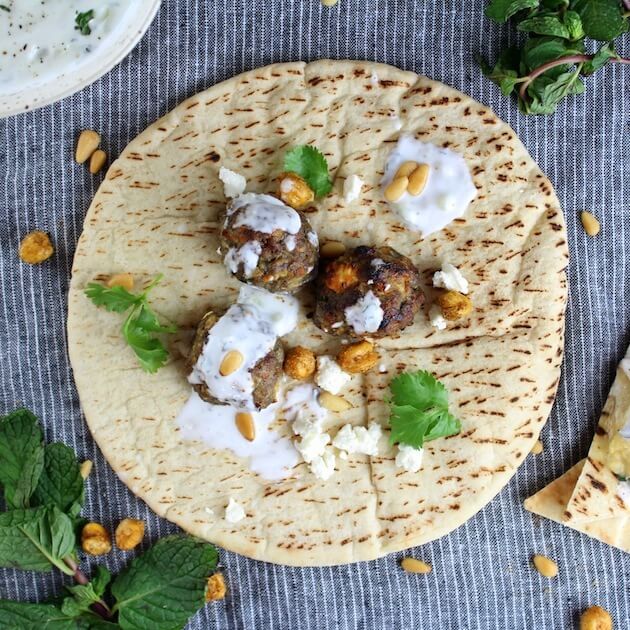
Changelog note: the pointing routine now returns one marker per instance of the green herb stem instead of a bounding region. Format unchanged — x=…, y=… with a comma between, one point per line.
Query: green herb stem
x=99, y=607
x=580, y=59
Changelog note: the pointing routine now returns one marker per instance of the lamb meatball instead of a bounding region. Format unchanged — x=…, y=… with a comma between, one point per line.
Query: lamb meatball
x=268, y=244
x=266, y=373
x=371, y=291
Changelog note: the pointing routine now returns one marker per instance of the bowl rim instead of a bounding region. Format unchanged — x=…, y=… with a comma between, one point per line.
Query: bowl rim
x=31, y=98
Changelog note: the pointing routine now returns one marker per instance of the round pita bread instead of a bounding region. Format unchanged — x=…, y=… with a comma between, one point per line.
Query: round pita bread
x=156, y=212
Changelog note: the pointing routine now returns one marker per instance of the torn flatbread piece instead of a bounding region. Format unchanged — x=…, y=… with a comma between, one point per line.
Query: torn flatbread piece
x=551, y=502
x=603, y=489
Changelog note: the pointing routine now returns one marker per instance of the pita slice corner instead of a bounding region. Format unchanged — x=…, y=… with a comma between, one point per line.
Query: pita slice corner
x=591, y=497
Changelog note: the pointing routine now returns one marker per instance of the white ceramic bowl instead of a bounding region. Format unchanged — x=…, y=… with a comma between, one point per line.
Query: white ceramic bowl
x=33, y=95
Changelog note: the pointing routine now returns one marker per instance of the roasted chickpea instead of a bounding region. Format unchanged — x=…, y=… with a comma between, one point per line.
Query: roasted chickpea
x=596, y=618
x=36, y=247
x=454, y=305
x=341, y=276
x=299, y=363
x=129, y=533
x=294, y=191
x=216, y=588
x=95, y=539
x=358, y=358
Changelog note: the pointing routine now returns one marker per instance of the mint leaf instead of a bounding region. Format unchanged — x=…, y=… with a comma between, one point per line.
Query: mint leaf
x=310, y=164
x=36, y=539
x=21, y=457
x=602, y=19
x=61, y=483
x=545, y=93
x=505, y=71
x=25, y=616
x=503, y=10
x=545, y=25
x=600, y=59
x=539, y=50
x=165, y=586
x=573, y=23
x=115, y=299
x=419, y=409
x=84, y=595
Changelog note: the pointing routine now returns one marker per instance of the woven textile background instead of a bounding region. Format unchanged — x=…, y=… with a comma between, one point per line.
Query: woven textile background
x=481, y=575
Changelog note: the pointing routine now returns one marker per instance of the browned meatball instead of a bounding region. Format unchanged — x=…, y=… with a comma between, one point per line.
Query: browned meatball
x=281, y=259
x=266, y=374
x=371, y=291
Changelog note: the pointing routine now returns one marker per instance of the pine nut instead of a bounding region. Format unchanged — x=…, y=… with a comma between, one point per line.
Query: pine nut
x=537, y=449
x=590, y=223
x=86, y=468
x=405, y=169
x=245, y=424
x=333, y=402
x=332, y=249
x=545, y=566
x=124, y=280
x=396, y=188
x=230, y=363
x=418, y=180
x=412, y=565
x=86, y=145
x=97, y=161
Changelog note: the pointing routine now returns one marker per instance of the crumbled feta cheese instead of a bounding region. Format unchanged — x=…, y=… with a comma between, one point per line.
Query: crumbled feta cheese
x=329, y=375
x=409, y=458
x=352, y=188
x=323, y=466
x=366, y=315
x=359, y=439
x=436, y=317
x=306, y=420
x=450, y=278
x=234, y=512
x=312, y=445
x=233, y=183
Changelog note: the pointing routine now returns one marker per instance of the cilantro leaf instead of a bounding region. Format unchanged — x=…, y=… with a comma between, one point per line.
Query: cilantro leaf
x=310, y=164
x=21, y=457
x=140, y=326
x=503, y=10
x=26, y=615
x=61, y=483
x=165, y=586
x=115, y=299
x=419, y=410
x=36, y=539
x=82, y=22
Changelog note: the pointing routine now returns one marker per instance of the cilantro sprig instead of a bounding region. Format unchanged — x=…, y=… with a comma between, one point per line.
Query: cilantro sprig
x=549, y=64
x=419, y=409
x=141, y=325
x=82, y=22
x=44, y=491
x=310, y=164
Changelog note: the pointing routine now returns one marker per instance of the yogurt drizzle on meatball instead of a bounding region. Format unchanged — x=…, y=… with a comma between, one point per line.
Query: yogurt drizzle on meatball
x=252, y=327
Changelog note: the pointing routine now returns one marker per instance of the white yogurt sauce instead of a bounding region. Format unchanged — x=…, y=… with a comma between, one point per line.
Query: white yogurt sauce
x=366, y=315
x=39, y=41
x=251, y=326
x=448, y=192
x=264, y=213
x=246, y=255
x=270, y=455
x=623, y=491
x=289, y=241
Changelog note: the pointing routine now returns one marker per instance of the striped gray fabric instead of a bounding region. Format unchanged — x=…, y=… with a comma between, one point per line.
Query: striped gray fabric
x=481, y=577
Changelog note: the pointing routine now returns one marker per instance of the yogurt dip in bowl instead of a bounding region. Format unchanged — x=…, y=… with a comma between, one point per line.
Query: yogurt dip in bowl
x=52, y=48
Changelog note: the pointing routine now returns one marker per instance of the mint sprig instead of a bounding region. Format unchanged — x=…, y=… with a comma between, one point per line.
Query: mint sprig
x=141, y=325
x=419, y=409
x=159, y=590
x=550, y=64
x=310, y=164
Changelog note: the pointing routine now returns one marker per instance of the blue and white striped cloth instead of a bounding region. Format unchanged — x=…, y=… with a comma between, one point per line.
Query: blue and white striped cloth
x=481, y=578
